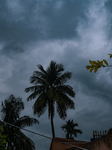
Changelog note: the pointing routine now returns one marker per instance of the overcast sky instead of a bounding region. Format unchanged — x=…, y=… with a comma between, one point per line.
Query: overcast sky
x=70, y=32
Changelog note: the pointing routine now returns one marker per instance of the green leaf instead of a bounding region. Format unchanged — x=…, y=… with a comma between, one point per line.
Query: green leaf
x=95, y=62
x=91, y=69
x=101, y=62
x=104, y=66
x=110, y=55
x=105, y=62
x=98, y=61
x=88, y=67
x=91, y=62
x=95, y=70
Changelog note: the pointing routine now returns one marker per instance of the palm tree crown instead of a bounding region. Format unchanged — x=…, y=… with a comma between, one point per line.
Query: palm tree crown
x=10, y=110
x=69, y=129
x=50, y=89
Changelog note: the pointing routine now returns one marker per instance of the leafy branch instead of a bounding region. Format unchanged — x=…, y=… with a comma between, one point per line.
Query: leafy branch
x=95, y=65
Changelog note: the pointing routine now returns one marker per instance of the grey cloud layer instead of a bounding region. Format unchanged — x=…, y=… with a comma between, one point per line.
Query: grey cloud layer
x=70, y=32
x=21, y=22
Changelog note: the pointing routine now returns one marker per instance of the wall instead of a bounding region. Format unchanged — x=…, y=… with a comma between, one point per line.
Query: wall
x=100, y=144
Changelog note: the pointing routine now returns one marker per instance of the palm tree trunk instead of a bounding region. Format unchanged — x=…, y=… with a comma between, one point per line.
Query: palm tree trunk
x=52, y=126
x=70, y=135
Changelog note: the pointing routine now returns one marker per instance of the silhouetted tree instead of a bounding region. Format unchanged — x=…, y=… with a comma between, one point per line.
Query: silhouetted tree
x=50, y=89
x=16, y=140
x=70, y=130
x=110, y=131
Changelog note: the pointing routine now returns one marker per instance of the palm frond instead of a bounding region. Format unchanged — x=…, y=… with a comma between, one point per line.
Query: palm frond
x=42, y=69
x=58, y=98
x=77, y=131
x=64, y=127
x=57, y=67
x=40, y=104
x=32, y=89
x=37, y=80
x=67, y=101
x=64, y=100
x=21, y=141
x=61, y=109
x=63, y=78
x=60, y=68
x=39, y=74
x=36, y=93
x=75, y=124
x=66, y=89
x=26, y=121
x=32, y=96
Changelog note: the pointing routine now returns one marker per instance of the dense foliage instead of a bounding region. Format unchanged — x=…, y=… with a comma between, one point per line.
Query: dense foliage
x=16, y=139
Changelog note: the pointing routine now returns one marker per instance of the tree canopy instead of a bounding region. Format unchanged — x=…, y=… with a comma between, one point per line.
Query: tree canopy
x=69, y=129
x=50, y=88
x=10, y=111
x=95, y=65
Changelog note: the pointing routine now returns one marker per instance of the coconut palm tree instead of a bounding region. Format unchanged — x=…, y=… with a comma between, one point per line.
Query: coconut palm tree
x=49, y=90
x=16, y=139
x=69, y=129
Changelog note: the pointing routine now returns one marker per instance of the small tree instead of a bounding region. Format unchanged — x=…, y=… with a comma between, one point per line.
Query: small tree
x=15, y=138
x=69, y=129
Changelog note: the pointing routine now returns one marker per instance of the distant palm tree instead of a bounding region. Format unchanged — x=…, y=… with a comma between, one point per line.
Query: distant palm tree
x=50, y=89
x=69, y=129
x=16, y=140
x=109, y=131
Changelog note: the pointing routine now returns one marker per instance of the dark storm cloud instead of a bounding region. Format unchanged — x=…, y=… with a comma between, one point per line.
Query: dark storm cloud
x=63, y=20
x=22, y=22
x=12, y=48
x=70, y=32
x=97, y=84
x=15, y=22
x=108, y=4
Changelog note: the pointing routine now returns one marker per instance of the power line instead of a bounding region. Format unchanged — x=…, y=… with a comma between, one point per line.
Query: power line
x=26, y=130
x=43, y=135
